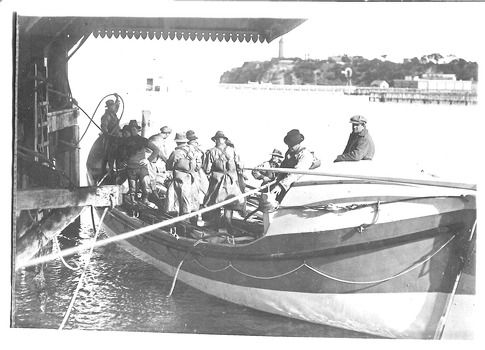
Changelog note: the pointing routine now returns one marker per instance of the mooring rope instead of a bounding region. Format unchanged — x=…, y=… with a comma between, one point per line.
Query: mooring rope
x=74, y=296
x=139, y=231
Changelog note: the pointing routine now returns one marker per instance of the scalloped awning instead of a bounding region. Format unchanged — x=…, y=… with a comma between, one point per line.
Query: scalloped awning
x=228, y=29
x=193, y=28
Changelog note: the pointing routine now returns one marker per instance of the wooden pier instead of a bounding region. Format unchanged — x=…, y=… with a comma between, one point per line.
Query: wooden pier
x=418, y=95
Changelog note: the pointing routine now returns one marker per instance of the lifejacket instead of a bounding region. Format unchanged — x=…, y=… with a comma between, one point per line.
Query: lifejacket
x=291, y=160
x=224, y=162
x=187, y=164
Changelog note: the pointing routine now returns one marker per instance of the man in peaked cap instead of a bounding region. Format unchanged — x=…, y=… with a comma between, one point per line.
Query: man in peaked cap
x=274, y=162
x=160, y=141
x=360, y=145
x=136, y=161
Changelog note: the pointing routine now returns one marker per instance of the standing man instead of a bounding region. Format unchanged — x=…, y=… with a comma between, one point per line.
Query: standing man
x=158, y=169
x=201, y=177
x=296, y=157
x=183, y=192
x=360, y=145
x=220, y=166
x=111, y=133
x=136, y=163
x=274, y=162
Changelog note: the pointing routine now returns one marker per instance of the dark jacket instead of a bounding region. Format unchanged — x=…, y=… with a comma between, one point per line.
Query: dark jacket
x=359, y=147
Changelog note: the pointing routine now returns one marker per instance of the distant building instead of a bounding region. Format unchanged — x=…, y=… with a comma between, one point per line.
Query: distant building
x=381, y=84
x=280, y=54
x=439, y=76
x=434, y=82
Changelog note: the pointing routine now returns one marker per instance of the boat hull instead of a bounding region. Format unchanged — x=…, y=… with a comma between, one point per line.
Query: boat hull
x=368, y=256
x=349, y=288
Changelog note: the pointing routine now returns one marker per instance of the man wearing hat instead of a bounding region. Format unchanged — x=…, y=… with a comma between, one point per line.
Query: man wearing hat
x=201, y=177
x=360, y=145
x=159, y=167
x=111, y=132
x=296, y=157
x=221, y=167
x=136, y=163
x=183, y=192
x=275, y=162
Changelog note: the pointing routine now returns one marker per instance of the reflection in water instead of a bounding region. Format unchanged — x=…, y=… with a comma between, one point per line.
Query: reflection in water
x=122, y=293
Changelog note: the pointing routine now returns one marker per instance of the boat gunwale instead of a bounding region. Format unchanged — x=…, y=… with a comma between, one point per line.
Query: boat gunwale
x=227, y=251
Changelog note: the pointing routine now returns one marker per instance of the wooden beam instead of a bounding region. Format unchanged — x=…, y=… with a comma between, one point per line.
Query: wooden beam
x=49, y=198
x=62, y=119
x=46, y=229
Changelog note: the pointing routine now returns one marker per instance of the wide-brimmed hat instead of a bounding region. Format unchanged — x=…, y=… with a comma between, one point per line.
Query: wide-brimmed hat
x=126, y=128
x=110, y=103
x=191, y=135
x=180, y=137
x=358, y=119
x=293, y=137
x=134, y=123
x=277, y=153
x=218, y=134
x=165, y=129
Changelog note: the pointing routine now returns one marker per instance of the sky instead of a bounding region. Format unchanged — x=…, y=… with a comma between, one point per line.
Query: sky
x=366, y=29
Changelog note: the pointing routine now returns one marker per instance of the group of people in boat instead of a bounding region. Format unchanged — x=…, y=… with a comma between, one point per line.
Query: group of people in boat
x=193, y=178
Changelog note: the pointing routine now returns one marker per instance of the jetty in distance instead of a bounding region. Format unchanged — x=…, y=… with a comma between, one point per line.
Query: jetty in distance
x=376, y=94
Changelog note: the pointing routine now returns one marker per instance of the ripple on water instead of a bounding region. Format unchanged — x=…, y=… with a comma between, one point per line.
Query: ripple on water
x=122, y=293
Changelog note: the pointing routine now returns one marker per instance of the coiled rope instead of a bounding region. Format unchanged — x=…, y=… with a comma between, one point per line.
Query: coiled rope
x=74, y=296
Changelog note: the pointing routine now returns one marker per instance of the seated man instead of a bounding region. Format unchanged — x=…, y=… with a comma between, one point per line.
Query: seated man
x=360, y=145
x=136, y=163
x=296, y=157
x=274, y=162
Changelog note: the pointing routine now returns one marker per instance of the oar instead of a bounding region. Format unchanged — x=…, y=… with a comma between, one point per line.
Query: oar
x=375, y=178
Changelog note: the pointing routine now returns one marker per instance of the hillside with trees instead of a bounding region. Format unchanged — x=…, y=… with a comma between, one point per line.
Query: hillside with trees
x=295, y=71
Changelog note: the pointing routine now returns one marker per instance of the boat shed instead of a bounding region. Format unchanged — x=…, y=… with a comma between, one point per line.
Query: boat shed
x=46, y=132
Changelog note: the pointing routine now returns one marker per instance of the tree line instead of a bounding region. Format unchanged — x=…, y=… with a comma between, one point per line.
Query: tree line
x=296, y=71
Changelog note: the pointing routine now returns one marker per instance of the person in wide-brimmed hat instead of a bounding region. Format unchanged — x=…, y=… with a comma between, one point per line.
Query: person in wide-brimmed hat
x=296, y=157
x=201, y=177
x=182, y=192
x=274, y=162
x=360, y=145
x=111, y=133
x=222, y=165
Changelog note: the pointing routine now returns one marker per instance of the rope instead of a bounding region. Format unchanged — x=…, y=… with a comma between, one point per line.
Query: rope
x=381, y=280
x=324, y=274
x=175, y=277
x=444, y=318
x=139, y=231
x=73, y=299
x=58, y=248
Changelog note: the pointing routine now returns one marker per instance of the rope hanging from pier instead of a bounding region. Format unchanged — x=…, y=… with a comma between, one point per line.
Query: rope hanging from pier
x=74, y=296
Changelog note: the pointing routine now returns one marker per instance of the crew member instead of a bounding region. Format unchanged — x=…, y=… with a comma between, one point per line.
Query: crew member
x=360, y=145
